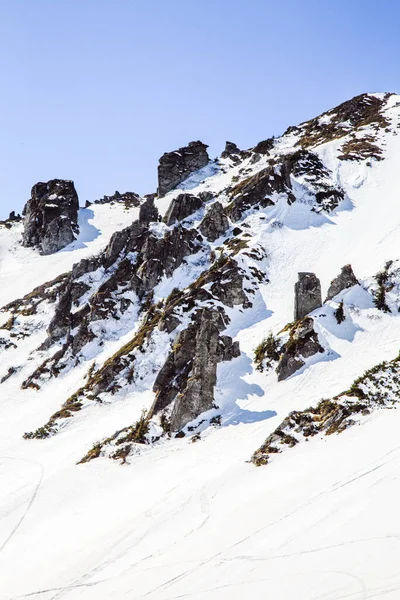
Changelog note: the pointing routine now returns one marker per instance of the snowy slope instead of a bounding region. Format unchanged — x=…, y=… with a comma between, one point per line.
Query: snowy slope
x=22, y=269
x=196, y=520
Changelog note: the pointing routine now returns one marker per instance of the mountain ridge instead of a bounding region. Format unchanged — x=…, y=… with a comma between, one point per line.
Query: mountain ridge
x=141, y=346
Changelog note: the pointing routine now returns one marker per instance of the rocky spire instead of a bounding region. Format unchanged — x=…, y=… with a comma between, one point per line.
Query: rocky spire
x=307, y=295
x=51, y=216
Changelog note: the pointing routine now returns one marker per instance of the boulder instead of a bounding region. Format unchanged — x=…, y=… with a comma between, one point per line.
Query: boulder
x=182, y=207
x=174, y=167
x=303, y=343
x=215, y=223
x=51, y=216
x=344, y=280
x=307, y=295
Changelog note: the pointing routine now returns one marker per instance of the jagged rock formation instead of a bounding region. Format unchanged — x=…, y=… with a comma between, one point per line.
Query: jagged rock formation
x=12, y=219
x=261, y=190
x=148, y=211
x=141, y=366
x=129, y=199
x=303, y=343
x=256, y=191
x=265, y=146
x=230, y=151
x=51, y=216
x=189, y=375
x=197, y=349
x=378, y=388
x=215, y=223
x=182, y=207
x=350, y=116
x=176, y=166
x=13, y=216
x=134, y=262
x=125, y=288
x=307, y=295
x=344, y=280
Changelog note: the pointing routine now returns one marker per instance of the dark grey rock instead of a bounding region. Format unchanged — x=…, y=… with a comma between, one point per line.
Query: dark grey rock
x=129, y=199
x=175, y=167
x=230, y=149
x=206, y=196
x=51, y=216
x=256, y=191
x=303, y=343
x=182, y=207
x=265, y=146
x=14, y=217
x=344, y=280
x=215, y=223
x=60, y=325
x=189, y=375
x=307, y=295
x=148, y=211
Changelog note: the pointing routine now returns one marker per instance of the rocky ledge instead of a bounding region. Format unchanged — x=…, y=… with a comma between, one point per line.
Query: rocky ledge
x=176, y=166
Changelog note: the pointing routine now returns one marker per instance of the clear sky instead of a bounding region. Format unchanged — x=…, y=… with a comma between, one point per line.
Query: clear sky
x=97, y=90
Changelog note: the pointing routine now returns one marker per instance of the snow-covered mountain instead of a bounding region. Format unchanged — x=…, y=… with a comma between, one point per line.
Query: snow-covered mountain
x=247, y=316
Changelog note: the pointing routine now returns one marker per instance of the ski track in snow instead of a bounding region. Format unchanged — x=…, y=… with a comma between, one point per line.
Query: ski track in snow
x=31, y=501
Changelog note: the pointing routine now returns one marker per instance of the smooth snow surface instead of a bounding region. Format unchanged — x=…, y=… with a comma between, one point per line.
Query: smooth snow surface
x=196, y=520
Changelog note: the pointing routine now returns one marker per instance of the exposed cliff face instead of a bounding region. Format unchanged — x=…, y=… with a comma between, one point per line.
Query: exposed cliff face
x=51, y=216
x=176, y=166
x=189, y=374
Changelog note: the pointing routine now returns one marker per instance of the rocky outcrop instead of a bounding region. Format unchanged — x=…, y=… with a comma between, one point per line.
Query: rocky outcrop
x=256, y=191
x=174, y=167
x=344, y=280
x=189, y=374
x=265, y=146
x=230, y=150
x=156, y=257
x=182, y=207
x=51, y=216
x=215, y=223
x=303, y=343
x=129, y=199
x=362, y=110
x=261, y=190
x=12, y=219
x=377, y=389
x=148, y=211
x=199, y=347
x=307, y=295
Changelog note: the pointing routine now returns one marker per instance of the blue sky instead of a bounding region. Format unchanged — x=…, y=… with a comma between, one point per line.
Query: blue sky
x=97, y=90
